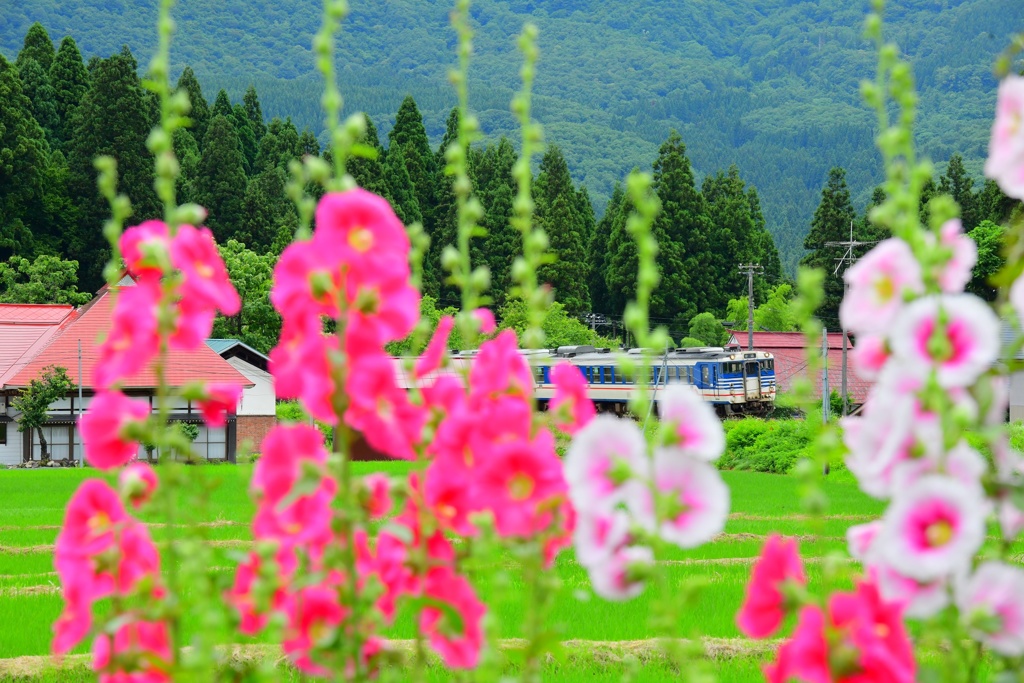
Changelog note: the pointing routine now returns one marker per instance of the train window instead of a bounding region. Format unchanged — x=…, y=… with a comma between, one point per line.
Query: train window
x=539, y=374
x=705, y=374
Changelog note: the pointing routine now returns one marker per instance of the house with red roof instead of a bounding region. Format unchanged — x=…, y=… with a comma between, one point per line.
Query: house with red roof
x=33, y=337
x=791, y=361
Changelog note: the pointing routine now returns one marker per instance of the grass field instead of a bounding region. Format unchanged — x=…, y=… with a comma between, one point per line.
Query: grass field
x=31, y=510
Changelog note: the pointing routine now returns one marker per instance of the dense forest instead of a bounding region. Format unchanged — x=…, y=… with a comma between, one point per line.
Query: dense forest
x=58, y=112
x=770, y=85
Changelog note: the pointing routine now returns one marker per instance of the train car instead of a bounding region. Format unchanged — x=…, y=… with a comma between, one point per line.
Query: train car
x=734, y=381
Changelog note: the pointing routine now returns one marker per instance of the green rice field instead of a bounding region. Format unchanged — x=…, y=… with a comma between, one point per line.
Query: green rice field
x=31, y=510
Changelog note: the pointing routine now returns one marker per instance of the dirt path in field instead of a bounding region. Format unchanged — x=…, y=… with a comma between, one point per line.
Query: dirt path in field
x=152, y=525
x=607, y=652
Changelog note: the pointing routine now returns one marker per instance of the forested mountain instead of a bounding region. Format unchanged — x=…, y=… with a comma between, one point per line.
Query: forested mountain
x=768, y=85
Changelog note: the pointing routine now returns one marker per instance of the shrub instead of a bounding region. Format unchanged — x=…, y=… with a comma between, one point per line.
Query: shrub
x=291, y=411
x=764, y=445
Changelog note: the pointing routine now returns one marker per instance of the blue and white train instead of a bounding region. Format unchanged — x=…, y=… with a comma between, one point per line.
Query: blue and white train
x=734, y=381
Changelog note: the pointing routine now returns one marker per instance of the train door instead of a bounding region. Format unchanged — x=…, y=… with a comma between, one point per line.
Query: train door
x=752, y=380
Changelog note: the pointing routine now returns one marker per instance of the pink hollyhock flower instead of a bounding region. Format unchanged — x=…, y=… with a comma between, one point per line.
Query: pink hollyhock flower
x=692, y=492
x=249, y=573
x=204, y=277
x=362, y=229
x=860, y=539
x=307, y=282
x=314, y=616
x=75, y=621
x=378, y=495
x=94, y=516
x=517, y=480
x=1005, y=162
x=145, y=248
x=450, y=492
x=134, y=338
x=570, y=404
x=933, y=528
x=690, y=423
x=193, y=323
x=286, y=451
x=305, y=521
x=1011, y=518
x=434, y=353
x=862, y=639
x=869, y=356
x=956, y=272
x=457, y=643
x=393, y=570
x=140, y=651
x=388, y=309
x=956, y=335
x=302, y=369
x=961, y=462
x=380, y=410
x=765, y=605
x=874, y=629
x=603, y=456
x=804, y=656
x=991, y=603
x=221, y=400
x=446, y=395
x=103, y=429
x=879, y=283
x=137, y=482
x=623, y=574
x=919, y=599
x=486, y=318
x=600, y=534
x=500, y=369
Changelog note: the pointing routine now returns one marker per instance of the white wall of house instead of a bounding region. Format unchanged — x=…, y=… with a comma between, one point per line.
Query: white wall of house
x=10, y=446
x=258, y=399
x=1017, y=396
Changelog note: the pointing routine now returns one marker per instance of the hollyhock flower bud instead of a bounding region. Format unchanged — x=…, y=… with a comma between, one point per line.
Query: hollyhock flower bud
x=692, y=501
x=458, y=644
x=933, y=528
x=434, y=353
x=991, y=604
x=313, y=618
x=623, y=574
x=140, y=650
x=571, y=406
x=134, y=338
x=879, y=284
x=204, y=277
x=957, y=336
x=146, y=248
x=137, y=482
x=377, y=495
x=220, y=400
x=603, y=456
x=1005, y=163
x=104, y=426
x=766, y=604
x=690, y=423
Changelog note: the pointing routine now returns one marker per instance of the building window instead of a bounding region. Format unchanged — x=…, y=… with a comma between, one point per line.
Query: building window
x=3, y=433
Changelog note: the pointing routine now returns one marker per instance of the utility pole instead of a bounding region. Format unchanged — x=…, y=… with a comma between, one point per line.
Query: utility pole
x=841, y=262
x=749, y=269
x=824, y=386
